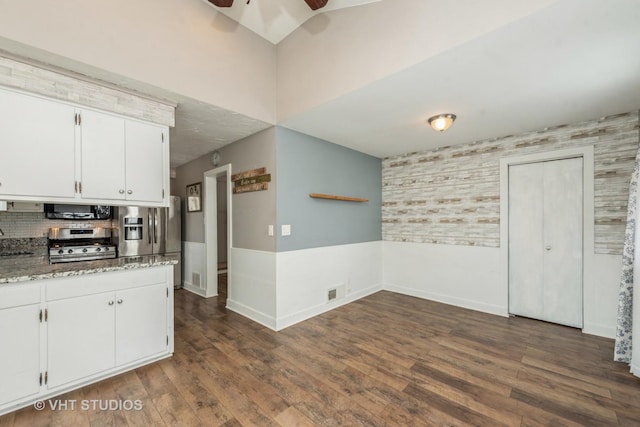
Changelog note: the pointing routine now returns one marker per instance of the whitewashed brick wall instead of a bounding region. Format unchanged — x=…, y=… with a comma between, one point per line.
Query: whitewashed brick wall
x=451, y=195
x=23, y=76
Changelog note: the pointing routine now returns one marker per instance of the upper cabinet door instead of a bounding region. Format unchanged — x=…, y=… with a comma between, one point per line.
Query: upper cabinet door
x=37, y=146
x=103, y=156
x=145, y=163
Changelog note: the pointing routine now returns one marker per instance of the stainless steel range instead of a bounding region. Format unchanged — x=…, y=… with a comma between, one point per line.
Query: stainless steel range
x=80, y=244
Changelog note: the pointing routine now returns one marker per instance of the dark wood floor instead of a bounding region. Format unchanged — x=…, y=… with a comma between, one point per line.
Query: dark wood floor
x=387, y=359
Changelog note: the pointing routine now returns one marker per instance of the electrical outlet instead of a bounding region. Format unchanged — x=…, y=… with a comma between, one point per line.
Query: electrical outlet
x=270, y=230
x=286, y=230
x=332, y=294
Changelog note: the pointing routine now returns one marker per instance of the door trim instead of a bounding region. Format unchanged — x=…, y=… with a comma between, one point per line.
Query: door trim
x=211, y=228
x=588, y=229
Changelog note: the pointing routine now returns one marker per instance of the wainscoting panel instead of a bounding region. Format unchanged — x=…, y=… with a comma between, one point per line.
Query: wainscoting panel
x=308, y=279
x=469, y=277
x=195, y=278
x=458, y=275
x=252, y=285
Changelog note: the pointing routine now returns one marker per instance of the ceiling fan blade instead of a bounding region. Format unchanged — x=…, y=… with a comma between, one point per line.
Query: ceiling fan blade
x=221, y=3
x=315, y=4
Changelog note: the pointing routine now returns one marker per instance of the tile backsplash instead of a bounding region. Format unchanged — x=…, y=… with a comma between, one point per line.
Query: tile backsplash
x=34, y=224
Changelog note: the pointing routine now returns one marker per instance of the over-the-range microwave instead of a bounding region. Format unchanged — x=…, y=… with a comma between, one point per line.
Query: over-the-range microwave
x=56, y=211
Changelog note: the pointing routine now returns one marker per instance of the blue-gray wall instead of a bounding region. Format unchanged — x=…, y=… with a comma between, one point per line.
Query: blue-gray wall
x=310, y=165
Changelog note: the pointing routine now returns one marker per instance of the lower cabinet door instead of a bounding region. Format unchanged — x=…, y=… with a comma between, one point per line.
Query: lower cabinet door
x=81, y=337
x=141, y=323
x=20, y=354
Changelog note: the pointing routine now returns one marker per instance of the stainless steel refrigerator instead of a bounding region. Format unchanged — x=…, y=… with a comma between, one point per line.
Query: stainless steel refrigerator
x=151, y=231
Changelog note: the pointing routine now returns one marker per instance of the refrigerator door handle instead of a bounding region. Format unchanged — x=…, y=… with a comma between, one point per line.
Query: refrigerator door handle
x=155, y=225
x=149, y=224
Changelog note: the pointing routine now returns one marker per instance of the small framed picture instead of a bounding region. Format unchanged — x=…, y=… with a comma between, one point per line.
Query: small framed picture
x=194, y=197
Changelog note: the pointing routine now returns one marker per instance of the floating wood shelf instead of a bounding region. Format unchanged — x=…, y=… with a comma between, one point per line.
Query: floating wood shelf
x=341, y=198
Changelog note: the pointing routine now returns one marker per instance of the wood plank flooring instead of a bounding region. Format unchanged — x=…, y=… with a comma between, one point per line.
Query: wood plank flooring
x=385, y=360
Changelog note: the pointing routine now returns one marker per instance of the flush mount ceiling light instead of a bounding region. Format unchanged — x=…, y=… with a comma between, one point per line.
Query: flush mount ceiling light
x=441, y=122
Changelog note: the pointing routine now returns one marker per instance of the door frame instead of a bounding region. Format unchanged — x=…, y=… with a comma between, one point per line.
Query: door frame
x=588, y=228
x=210, y=208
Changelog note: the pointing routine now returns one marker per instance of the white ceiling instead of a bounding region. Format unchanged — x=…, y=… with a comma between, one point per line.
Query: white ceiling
x=573, y=60
x=276, y=19
x=564, y=64
x=561, y=65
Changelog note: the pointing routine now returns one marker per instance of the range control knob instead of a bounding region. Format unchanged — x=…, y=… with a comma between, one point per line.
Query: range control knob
x=106, y=249
x=60, y=251
x=98, y=249
x=84, y=250
x=70, y=251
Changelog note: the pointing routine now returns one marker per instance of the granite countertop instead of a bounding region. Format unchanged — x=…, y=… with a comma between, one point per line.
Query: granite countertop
x=21, y=268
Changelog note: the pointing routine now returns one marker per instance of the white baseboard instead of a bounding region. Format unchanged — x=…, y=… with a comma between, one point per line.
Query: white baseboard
x=599, y=330
x=250, y=313
x=446, y=299
x=197, y=290
x=292, y=319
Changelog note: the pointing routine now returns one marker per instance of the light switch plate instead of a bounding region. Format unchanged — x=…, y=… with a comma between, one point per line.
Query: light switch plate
x=270, y=230
x=286, y=230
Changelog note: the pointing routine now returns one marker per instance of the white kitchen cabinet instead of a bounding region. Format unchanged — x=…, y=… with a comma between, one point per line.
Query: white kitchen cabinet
x=93, y=326
x=121, y=159
x=20, y=328
x=58, y=152
x=141, y=323
x=145, y=162
x=81, y=338
x=102, y=156
x=37, y=142
x=116, y=328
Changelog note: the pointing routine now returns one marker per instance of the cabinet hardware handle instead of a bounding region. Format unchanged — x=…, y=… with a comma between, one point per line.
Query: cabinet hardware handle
x=129, y=192
x=120, y=301
x=548, y=248
x=40, y=378
x=121, y=191
x=110, y=302
x=46, y=314
x=46, y=377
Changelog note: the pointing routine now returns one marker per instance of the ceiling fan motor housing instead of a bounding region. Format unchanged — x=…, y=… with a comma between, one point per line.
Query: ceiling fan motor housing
x=313, y=4
x=222, y=3
x=316, y=4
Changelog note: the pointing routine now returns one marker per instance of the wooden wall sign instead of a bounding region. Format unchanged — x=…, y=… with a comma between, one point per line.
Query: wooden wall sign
x=251, y=180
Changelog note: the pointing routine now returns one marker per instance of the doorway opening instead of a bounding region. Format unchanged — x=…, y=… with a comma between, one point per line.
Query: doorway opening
x=218, y=235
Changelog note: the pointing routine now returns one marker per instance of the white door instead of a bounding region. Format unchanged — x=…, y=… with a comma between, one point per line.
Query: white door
x=144, y=162
x=545, y=241
x=80, y=337
x=37, y=142
x=141, y=323
x=20, y=355
x=103, y=156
